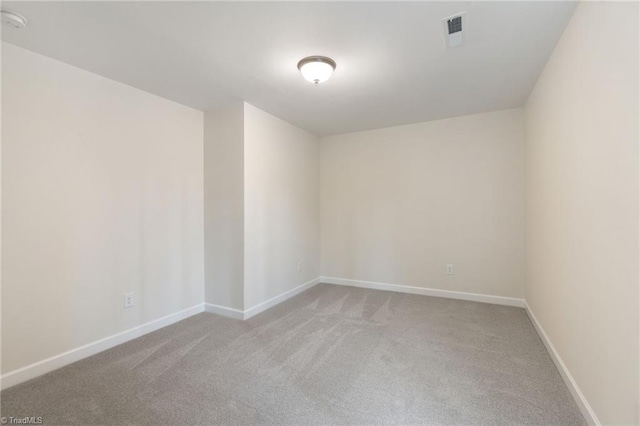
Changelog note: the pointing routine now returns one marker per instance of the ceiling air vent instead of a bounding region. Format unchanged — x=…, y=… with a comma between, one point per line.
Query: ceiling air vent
x=454, y=30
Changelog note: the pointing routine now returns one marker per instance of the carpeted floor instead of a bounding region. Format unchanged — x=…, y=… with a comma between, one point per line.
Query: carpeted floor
x=331, y=355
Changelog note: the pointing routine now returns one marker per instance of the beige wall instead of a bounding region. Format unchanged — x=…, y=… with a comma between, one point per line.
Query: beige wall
x=224, y=206
x=102, y=195
x=582, y=205
x=400, y=203
x=281, y=212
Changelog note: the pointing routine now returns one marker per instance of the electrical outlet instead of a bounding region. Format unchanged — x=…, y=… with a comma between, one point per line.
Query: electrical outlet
x=299, y=265
x=449, y=269
x=128, y=300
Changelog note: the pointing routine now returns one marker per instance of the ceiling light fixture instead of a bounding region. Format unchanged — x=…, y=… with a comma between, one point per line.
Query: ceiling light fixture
x=316, y=69
x=13, y=19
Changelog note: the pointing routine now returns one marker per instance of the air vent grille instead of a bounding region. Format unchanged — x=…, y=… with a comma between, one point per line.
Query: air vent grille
x=455, y=24
x=455, y=30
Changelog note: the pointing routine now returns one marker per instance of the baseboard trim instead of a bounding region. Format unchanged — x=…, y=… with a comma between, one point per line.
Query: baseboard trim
x=48, y=365
x=578, y=396
x=474, y=297
x=260, y=307
x=224, y=311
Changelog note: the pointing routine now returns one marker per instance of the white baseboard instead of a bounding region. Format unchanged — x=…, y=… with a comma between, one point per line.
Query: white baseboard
x=39, y=368
x=578, y=396
x=474, y=297
x=224, y=311
x=261, y=307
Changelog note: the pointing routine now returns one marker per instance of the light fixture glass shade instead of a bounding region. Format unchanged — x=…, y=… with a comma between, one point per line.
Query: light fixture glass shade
x=316, y=69
x=13, y=19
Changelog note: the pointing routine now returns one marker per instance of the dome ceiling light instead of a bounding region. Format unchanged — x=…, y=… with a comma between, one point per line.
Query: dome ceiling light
x=316, y=69
x=13, y=19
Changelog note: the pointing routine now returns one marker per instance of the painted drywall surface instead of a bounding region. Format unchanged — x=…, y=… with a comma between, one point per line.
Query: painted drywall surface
x=224, y=206
x=582, y=205
x=102, y=195
x=281, y=211
x=1, y=46
x=398, y=204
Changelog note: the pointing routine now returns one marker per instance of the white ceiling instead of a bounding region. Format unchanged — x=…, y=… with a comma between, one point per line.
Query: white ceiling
x=392, y=65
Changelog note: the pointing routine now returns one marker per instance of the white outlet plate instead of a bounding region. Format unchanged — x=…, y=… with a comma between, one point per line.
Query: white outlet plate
x=299, y=265
x=128, y=300
x=449, y=269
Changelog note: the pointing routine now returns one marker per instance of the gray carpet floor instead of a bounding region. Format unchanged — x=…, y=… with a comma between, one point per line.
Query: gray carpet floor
x=331, y=355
